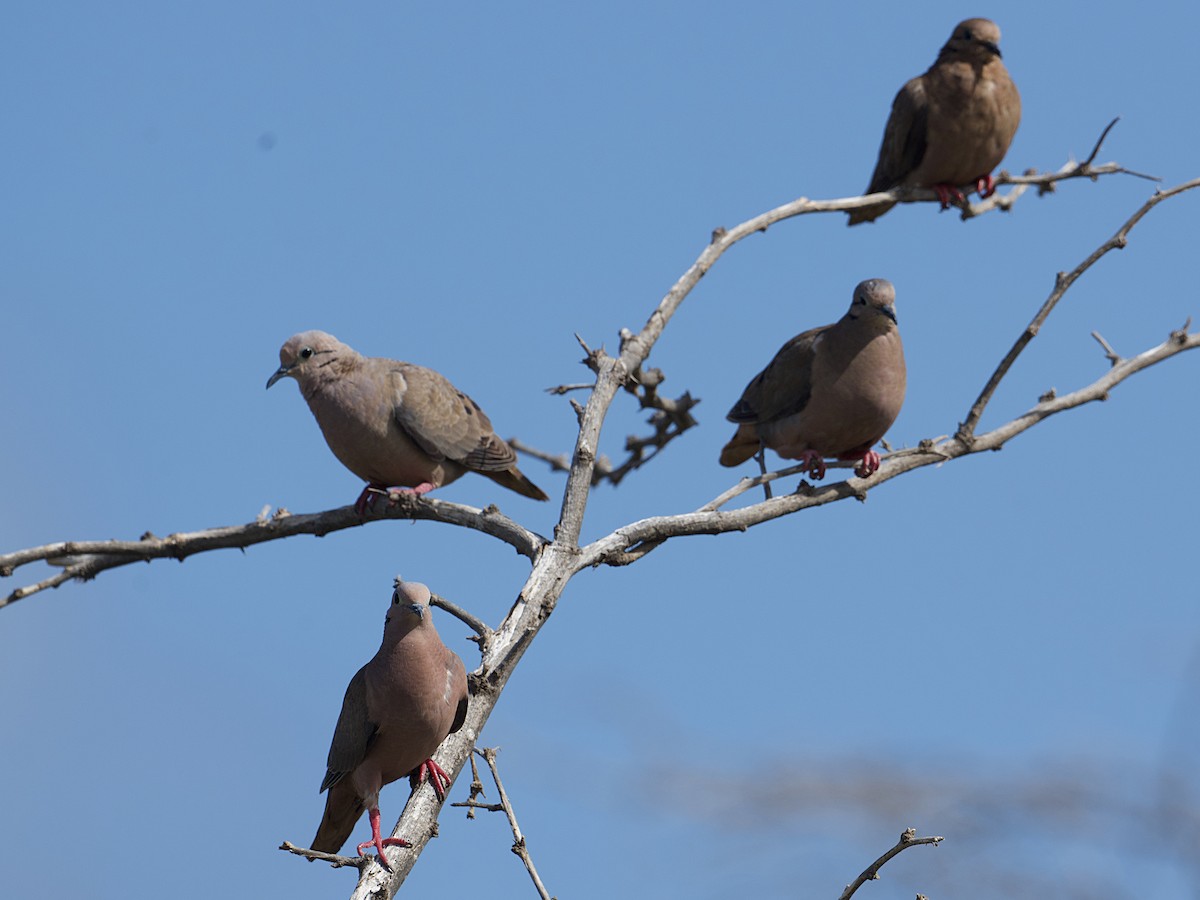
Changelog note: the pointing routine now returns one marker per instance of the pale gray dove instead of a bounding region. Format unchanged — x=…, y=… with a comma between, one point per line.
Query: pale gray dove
x=395, y=423
x=398, y=709
x=951, y=126
x=829, y=392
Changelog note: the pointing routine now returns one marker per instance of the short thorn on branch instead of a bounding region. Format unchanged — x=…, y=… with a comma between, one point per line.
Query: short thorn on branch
x=594, y=357
x=1110, y=354
x=1180, y=335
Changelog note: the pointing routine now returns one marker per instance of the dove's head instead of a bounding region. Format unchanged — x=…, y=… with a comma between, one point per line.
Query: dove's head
x=410, y=607
x=307, y=355
x=874, y=301
x=974, y=38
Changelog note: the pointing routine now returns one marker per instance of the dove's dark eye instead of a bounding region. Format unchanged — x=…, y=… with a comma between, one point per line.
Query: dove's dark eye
x=306, y=353
x=967, y=34
x=395, y=599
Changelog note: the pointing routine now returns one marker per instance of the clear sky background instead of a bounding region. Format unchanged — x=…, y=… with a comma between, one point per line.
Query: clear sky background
x=186, y=185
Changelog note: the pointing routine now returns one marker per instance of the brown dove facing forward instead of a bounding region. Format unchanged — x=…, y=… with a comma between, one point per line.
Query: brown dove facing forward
x=951, y=126
x=398, y=709
x=395, y=423
x=829, y=392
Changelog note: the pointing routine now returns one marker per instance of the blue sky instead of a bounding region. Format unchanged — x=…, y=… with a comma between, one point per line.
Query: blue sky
x=187, y=185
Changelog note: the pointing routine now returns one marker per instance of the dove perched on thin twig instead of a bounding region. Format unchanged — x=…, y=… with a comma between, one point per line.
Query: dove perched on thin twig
x=832, y=391
x=951, y=126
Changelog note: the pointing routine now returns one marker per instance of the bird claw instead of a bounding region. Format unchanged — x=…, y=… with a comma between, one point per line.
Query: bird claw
x=378, y=846
x=947, y=193
x=814, y=463
x=366, y=500
x=869, y=465
x=986, y=185
x=435, y=775
x=378, y=841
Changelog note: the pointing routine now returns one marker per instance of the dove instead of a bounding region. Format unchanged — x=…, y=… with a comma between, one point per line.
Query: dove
x=395, y=423
x=951, y=126
x=398, y=709
x=832, y=391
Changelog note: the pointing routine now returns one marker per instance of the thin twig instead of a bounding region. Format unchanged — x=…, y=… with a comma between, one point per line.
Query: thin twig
x=1100, y=142
x=559, y=462
x=1062, y=283
x=471, y=621
x=670, y=418
x=871, y=873
x=472, y=805
x=561, y=389
x=1109, y=353
x=476, y=785
x=1046, y=183
x=333, y=859
x=519, y=846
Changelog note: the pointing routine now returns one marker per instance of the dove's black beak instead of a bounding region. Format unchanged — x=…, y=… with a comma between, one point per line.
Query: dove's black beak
x=888, y=311
x=281, y=372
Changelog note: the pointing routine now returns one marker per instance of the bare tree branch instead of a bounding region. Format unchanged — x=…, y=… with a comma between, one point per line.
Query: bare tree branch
x=86, y=559
x=670, y=419
x=709, y=519
x=908, y=838
x=1062, y=284
x=519, y=847
x=563, y=557
x=555, y=562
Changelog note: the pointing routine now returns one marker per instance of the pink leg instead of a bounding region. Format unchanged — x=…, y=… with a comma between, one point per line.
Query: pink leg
x=367, y=498
x=815, y=464
x=986, y=185
x=948, y=192
x=435, y=775
x=869, y=465
x=378, y=841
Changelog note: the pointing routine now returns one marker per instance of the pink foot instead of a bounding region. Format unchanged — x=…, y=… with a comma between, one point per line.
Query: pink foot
x=815, y=464
x=435, y=775
x=986, y=185
x=366, y=500
x=869, y=465
x=423, y=488
x=378, y=841
x=946, y=193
